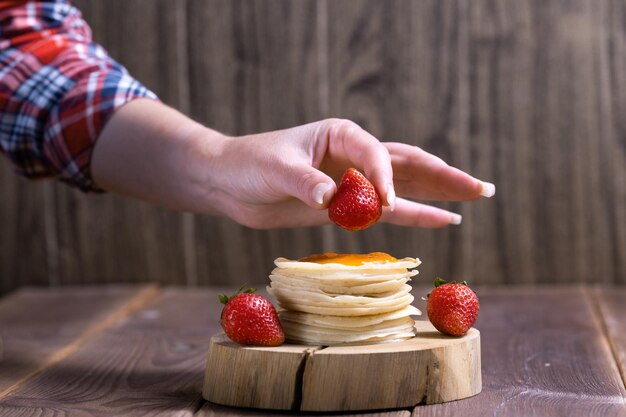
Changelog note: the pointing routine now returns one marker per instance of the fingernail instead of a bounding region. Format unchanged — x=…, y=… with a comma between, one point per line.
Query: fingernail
x=455, y=218
x=391, y=196
x=488, y=190
x=319, y=191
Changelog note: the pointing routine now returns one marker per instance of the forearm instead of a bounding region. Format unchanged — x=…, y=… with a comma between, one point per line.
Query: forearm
x=154, y=153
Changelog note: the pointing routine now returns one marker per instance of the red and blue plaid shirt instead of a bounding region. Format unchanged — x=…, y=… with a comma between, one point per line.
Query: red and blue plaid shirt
x=57, y=90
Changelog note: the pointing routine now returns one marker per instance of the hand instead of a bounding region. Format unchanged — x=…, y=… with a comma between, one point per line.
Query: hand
x=277, y=179
x=285, y=178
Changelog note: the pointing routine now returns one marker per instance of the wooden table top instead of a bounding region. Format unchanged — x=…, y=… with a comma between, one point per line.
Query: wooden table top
x=118, y=350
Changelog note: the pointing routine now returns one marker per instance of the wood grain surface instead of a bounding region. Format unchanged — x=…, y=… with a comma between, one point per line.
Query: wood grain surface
x=255, y=76
x=528, y=95
x=541, y=93
x=544, y=354
x=612, y=310
x=39, y=327
x=429, y=368
x=149, y=364
x=264, y=377
x=24, y=239
x=213, y=410
x=396, y=73
x=104, y=238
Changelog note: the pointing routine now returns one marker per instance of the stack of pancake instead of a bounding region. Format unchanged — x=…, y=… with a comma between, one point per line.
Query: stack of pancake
x=334, y=299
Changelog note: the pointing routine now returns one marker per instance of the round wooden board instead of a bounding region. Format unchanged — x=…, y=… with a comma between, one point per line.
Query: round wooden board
x=427, y=369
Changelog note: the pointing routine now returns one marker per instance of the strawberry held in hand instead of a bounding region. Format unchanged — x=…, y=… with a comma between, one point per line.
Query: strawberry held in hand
x=250, y=319
x=452, y=307
x=356, y=205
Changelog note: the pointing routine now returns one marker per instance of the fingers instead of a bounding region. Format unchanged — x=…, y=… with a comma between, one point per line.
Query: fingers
x=349, y=143
x=289, y=213
x=293, y=213
x=415, y=173
x=409, y=213
x=424, y=176
x=307, y=184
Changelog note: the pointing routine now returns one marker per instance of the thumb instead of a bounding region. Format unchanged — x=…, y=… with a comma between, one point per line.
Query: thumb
x=308, y=184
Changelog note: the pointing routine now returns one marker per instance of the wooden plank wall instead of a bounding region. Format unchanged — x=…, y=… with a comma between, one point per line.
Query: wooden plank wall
x=526, y=94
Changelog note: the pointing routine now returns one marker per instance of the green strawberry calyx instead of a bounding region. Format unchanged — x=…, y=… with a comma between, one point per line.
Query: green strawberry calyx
x=224, y=299
x=441, y=281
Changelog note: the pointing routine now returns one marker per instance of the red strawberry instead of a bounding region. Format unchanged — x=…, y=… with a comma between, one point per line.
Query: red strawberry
x=356, y=204
x=250, y=319
x=452, y=307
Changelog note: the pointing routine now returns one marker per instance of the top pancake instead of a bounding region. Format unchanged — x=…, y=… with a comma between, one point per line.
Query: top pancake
x=400, y=265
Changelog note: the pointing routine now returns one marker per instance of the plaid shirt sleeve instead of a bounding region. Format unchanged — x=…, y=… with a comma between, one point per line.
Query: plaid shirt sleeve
x=57, y=90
